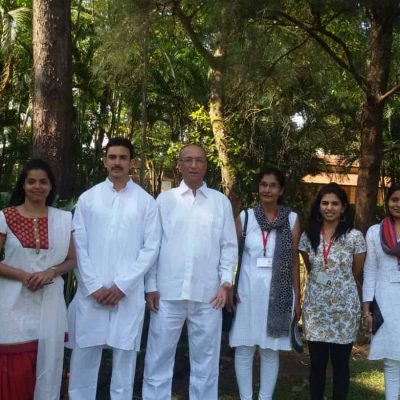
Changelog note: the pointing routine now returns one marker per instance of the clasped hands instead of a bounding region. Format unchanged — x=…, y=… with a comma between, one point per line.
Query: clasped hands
x=108, y=296
x=36, y=280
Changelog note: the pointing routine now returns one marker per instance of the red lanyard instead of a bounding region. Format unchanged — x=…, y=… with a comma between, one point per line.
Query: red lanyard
x=326, y=251
x=265, y=235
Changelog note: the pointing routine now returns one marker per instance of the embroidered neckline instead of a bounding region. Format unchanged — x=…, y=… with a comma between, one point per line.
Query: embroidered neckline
x=31, y=232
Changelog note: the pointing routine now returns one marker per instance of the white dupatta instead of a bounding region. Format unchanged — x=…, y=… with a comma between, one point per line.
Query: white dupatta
x=53, y=321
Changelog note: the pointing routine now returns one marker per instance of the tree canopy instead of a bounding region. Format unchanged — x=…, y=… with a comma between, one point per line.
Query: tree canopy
x=233, y=75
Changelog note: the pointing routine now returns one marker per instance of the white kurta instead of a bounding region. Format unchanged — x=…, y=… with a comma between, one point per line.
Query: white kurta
x=41, y=315
x=117, y=239
x=198, y=253
x=199, y=245
x=377, y=269
x=250, y=324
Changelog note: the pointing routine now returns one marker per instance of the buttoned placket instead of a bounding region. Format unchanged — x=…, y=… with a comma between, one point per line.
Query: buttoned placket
x=113, y=232
x=191, y=201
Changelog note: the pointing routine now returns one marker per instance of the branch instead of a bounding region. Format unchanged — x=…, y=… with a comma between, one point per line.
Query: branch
x=394, y=147
x=347, y=52
x=186, y=22
x=338, y=14
x=347, y=64
x=293, y=49
x=389, y=93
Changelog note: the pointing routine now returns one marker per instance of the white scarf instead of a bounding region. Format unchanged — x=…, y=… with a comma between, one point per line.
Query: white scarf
x=53, y=321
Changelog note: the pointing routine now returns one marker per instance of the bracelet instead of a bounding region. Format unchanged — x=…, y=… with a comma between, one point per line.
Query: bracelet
x=367, y=315
x=54, y=269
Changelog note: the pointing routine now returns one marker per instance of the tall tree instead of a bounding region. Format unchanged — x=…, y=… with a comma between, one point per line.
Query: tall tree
x=369, y=67
x=10, y=22
x=52, y=87
x=214, y=54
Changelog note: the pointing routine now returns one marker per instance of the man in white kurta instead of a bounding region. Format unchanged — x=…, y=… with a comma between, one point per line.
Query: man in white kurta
x=190, y=281
x=117, y=238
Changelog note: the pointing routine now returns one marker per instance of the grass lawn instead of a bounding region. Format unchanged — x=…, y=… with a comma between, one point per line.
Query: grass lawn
x=366, y=376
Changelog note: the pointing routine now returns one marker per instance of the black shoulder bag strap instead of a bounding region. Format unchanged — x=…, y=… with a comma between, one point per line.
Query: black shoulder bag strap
x=241, y=248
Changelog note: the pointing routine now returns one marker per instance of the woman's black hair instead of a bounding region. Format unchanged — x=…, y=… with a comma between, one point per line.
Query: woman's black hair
x=315, y=220
x=18, y=194
x=394, y=187
x=277, y=173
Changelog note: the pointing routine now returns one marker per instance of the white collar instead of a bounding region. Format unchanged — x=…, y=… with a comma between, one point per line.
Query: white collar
x=183, y=188
x=129, y=185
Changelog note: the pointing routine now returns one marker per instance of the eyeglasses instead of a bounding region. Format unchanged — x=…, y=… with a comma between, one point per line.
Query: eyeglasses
x=190, y=160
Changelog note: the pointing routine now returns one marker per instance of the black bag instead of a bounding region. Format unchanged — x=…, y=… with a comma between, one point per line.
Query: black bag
x=377, y=318
x=295, y=337
x=228, y=316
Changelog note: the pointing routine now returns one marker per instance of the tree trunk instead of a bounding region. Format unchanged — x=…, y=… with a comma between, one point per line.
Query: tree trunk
x=103, y=121
x=52, y=88
x=144, y=116
x=5, y=76
x=370, y=163
x=229, y=181
x=216, y=62
x=382, y=20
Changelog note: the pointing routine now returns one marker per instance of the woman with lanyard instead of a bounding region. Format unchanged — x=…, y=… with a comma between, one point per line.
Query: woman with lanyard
x=269, y=284
x=37, y=251
x=382, y=283
x=334, y=255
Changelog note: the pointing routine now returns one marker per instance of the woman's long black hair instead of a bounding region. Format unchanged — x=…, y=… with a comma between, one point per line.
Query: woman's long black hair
x=315, y=220
x=18, y=194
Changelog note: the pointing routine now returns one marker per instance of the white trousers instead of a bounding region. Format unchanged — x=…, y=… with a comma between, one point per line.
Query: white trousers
x=391, y=370
x=85, y=363
x=269, y=367
x=204, y=334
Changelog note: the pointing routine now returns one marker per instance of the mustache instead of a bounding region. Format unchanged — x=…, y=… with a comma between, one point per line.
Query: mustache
x=116, y=168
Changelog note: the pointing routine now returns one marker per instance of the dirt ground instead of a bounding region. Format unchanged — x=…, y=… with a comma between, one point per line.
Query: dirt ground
x=293, y=372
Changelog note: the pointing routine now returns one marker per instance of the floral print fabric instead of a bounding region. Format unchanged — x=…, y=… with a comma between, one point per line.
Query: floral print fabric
x=331, y=312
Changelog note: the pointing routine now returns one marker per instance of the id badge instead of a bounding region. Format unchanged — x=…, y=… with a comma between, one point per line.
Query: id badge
x=324, y=278
x=394, y=277
x=264, y=262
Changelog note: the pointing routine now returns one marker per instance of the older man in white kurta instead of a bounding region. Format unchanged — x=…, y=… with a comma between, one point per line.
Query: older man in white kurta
x=117, y=237
x=196, y=261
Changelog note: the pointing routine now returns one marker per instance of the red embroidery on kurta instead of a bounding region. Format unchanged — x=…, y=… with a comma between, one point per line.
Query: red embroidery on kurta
x=23, y=228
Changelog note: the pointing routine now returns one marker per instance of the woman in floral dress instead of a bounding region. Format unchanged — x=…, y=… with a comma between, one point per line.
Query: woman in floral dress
x=334, y=255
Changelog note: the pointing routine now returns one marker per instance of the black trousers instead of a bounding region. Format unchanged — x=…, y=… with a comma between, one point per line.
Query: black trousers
x=319, y=357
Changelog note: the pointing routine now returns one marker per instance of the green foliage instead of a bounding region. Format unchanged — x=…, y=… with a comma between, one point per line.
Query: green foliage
x=272, y=72
x=4, y=197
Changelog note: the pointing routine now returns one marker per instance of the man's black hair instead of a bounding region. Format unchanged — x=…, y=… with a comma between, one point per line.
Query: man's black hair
x=120, y=141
